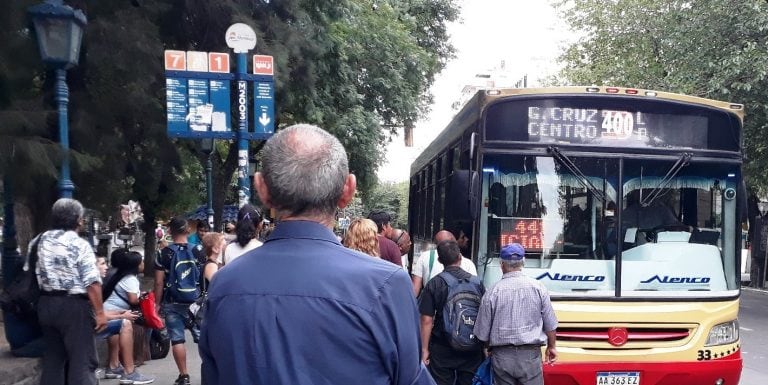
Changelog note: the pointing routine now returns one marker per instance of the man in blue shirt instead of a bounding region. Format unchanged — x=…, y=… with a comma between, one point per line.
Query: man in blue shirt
x=302, y=309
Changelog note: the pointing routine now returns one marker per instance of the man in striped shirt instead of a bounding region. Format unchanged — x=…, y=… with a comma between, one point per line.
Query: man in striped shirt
x=515, y=319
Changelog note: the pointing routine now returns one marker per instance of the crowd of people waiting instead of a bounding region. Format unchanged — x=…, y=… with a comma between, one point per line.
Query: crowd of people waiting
x=301, y=306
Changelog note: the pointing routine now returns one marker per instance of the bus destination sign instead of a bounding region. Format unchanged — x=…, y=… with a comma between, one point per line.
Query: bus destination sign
x=586, y=124
x=614, y=123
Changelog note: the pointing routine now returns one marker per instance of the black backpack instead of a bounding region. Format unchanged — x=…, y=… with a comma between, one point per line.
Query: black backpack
x=460, y=311
x=21, y=295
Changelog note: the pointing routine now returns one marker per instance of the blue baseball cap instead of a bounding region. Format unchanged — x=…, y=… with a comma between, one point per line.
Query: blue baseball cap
x=512, y=252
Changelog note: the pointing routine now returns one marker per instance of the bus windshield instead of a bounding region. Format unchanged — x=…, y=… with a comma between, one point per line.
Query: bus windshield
x=673, y=238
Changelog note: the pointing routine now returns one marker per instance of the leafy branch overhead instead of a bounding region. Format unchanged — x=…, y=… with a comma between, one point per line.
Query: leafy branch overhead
x=352, y=67
x=709, y=48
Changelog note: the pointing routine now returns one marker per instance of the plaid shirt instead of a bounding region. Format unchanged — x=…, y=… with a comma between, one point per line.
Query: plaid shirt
x=65, y=262
x=515, y=311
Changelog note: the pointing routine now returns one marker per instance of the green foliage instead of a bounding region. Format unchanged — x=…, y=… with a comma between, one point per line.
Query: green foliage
x=346, y=66
x=709, y=48
x=392, y=198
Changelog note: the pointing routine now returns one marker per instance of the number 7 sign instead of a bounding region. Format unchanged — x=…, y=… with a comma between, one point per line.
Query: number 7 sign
x=175, y=60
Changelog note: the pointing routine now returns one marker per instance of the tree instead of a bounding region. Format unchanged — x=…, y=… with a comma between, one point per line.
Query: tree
x=392, y=198
x=346, y=66
x=708, y=48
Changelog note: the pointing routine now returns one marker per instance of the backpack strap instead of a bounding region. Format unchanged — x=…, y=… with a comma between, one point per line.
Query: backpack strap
x=431, y=262
x=449, y=279
x=33, y=254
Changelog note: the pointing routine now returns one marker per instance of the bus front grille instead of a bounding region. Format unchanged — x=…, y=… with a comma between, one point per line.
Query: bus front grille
x=626, y=337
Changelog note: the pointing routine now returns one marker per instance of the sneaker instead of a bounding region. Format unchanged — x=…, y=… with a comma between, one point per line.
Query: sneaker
x=117, y=372
x=182, y=380
x=136, y=378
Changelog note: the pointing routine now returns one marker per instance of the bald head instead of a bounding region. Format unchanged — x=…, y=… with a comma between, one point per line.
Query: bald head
x=304, y=169
x=402, y=239
x=444, y=235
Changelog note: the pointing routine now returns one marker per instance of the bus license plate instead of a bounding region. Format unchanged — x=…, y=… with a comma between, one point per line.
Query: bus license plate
x=618, y=378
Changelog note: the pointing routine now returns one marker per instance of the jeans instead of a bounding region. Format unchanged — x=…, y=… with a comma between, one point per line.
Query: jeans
x=177, y=318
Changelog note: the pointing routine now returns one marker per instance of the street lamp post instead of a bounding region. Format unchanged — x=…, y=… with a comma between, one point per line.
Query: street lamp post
x=59, y=31
x=207, y=147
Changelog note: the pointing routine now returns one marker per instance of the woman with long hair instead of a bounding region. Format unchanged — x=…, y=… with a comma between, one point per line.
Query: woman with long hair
x=361, y=236
x=247, y=230
x=213, y=245
x=122, y=290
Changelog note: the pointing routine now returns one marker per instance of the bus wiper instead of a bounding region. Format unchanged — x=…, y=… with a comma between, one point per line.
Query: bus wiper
x=573, y=168
x=671, y=174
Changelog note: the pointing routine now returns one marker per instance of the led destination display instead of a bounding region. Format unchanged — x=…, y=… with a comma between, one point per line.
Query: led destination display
x=611, y=122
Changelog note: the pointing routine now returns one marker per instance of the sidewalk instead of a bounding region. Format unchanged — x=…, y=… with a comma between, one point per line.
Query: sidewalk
x=15, y=370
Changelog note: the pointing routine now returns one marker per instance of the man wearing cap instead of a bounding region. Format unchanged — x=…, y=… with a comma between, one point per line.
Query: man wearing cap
x=515, y=319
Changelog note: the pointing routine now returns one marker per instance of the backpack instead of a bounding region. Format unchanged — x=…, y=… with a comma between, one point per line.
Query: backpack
x=21, y=295
x=460, y=311
x=183, y=282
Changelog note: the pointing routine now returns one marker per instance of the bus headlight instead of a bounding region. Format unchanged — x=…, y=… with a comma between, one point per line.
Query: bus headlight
x=724, y=333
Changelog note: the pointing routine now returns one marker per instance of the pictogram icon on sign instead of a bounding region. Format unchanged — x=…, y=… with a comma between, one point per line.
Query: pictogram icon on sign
x=263, y=65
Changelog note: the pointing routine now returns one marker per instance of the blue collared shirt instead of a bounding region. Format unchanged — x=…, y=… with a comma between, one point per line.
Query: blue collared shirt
x=303, y=309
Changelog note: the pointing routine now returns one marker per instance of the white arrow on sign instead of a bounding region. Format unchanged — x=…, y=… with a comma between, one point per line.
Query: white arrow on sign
x=264, y=119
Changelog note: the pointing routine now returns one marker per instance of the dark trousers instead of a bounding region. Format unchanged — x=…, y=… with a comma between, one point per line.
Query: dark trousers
x=449, y=367
x=67, y=324
x=516, y=366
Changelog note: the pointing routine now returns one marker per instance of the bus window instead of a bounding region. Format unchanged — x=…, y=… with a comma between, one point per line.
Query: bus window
x=673, y=233
x=555, y=215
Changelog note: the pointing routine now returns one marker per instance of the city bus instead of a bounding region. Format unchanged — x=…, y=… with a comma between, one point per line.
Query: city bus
x=630, y=205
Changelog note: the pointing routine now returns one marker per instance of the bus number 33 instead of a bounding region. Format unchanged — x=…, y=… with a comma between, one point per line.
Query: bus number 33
x=704, y=355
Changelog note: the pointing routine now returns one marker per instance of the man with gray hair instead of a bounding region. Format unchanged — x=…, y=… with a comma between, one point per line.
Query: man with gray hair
x=70, y=305
x=515, y=319
x=302, y=308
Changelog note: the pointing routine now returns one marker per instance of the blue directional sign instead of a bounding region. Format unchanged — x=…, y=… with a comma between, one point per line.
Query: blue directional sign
x=198, y=95
x=264, y=107
x=176, y=99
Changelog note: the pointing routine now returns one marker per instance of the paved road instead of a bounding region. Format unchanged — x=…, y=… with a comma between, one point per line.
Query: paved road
x=164, y=370
x=753, y=321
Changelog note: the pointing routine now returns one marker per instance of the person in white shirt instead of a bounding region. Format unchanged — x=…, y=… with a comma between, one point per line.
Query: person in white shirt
x=247, y=230
x=427, y=267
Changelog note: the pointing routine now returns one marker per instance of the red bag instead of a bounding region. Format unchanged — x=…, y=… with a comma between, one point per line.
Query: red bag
x=149, y=317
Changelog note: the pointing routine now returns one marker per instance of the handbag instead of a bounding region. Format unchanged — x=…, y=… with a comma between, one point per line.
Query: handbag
x=148, y=317
x=149, y=314
x=484, y=373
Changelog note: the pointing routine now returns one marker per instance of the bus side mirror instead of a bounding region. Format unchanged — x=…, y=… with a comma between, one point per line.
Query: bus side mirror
x=462, y=200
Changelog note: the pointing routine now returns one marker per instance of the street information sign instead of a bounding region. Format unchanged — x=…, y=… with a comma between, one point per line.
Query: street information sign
x=264, y=94
x=198, y=94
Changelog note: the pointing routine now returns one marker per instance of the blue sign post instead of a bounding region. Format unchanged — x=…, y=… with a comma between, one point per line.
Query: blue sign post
x=198, y=93
x=243, y=185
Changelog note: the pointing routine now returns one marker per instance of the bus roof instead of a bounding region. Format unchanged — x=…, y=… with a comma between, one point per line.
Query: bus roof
x=470, y=112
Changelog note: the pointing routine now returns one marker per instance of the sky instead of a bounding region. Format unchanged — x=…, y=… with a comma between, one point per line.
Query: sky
x=526, y=35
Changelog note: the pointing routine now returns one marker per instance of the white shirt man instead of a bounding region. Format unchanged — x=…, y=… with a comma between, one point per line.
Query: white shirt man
x=423, y=272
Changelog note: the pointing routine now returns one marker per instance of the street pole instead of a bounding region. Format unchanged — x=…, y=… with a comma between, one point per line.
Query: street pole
x=11, y=256
x=243, y=189
x=66, y=187
x=209, y=188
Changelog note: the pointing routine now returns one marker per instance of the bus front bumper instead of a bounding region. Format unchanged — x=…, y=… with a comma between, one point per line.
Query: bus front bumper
x=727, y=369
